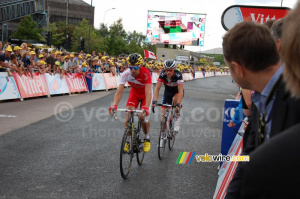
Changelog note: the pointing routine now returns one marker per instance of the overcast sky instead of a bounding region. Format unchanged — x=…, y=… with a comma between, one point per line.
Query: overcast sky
x=134, y=14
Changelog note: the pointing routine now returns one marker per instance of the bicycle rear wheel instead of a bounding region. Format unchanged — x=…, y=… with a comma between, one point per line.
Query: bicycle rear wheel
x=126, y=154
x=162, y=144
x=171, y=139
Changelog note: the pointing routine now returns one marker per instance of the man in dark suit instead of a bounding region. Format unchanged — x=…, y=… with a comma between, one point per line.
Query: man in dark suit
x=273, y=168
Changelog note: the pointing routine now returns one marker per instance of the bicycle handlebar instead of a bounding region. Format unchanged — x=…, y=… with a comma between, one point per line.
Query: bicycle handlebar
x=166, y=105
x=130, y=111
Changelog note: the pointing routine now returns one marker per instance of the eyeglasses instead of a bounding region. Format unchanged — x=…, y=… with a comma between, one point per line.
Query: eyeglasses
x=134, y=67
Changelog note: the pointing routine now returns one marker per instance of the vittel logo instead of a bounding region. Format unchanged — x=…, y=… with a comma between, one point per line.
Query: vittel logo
x=32, y=86
x=260, y=18
x=76, y=83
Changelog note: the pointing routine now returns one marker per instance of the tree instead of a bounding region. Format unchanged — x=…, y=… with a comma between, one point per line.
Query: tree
x=104, y=32
x=97, y=43
x=27, y=30
x=135, y=42
x=59, y=31
x=116, y=40
x=217, y=58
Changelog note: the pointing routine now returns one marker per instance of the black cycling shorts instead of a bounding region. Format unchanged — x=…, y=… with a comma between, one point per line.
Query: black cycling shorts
x=168, y=96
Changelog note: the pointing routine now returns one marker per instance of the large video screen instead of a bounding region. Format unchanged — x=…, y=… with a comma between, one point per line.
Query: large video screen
x=175, y=28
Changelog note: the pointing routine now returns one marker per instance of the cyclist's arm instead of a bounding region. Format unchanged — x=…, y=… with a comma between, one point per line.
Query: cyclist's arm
x=180, y=93
x=119, y=94
x=148, y=92
x=156, y=92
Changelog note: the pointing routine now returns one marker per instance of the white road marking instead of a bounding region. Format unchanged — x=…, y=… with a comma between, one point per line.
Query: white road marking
x=3, y=115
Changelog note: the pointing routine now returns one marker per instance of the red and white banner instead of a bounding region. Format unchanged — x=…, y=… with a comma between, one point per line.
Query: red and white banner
x=228, y=169
x=199, y=75
x=31, y=87
x=76, y=82
x=110, y=81
x=154, y=78
x=149, y=54
x=258, y=14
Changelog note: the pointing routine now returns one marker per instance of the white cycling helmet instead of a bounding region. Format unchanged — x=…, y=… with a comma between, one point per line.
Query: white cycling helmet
x=170, y=64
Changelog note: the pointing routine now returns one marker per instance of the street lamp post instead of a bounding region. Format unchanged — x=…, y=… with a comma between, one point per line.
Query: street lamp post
x=105, y=14
x=90, y=27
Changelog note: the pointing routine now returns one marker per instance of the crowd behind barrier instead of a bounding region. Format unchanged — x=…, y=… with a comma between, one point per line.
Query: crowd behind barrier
x=31, y=72
x=26, y=86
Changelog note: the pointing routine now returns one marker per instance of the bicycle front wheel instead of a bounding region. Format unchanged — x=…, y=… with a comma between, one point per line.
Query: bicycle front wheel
x=171, y=139
x=162, y=140
x=126, y=153
x=140, y=153
x=140, y=146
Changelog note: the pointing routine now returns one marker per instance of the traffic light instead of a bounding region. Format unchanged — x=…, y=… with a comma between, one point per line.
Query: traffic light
x=49, y=36
x=68, y=44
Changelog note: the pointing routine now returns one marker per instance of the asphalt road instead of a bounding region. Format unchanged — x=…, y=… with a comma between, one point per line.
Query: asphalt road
x=75, y=154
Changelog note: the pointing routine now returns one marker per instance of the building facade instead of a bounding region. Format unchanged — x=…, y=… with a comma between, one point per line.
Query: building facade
x=52, y=11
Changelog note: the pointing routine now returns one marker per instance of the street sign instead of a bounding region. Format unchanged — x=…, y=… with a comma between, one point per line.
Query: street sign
x=182, y=58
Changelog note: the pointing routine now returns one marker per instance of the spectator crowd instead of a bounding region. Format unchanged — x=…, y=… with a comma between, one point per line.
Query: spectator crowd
x=23, y=59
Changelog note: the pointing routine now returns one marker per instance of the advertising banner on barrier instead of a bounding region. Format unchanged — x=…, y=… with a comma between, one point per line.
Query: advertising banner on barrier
x=199, y=75
x=118, y=78
x=187, y=76
x=228, y=169
x=98, y=82
x=110, y=81
x=184, y=77
x=228, y=133
x=31, y=87
x=154, y=78
x=56, y=85
x=76, y=82
x=8, y=87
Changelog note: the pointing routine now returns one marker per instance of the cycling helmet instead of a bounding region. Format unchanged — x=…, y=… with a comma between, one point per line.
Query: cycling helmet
x=135, y=59
x=170, y=64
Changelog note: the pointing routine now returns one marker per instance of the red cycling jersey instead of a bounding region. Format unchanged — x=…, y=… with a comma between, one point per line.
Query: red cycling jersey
x=138, y=83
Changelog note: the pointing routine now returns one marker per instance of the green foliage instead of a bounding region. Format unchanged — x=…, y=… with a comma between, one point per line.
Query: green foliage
x=27, y=30
x=116, y=40
x=103, y=30
x=218, y=58
x=135, y=42
x=113, y=40
x=97, y=43
x=59, y=31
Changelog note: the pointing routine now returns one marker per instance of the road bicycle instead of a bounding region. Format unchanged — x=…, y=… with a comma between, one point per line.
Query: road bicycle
x=168, y=125
x=131, y=143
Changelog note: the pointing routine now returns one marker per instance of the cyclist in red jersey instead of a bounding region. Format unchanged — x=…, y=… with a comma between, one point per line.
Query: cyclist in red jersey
x=139, y=78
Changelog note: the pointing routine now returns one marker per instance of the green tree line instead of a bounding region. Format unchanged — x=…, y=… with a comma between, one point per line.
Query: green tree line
x=113, y=39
